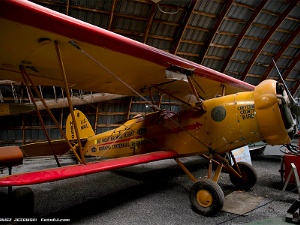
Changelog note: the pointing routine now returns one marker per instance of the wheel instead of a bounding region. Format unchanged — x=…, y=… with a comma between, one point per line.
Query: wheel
x=249, y=177
x=207, y=197
x=23, y=202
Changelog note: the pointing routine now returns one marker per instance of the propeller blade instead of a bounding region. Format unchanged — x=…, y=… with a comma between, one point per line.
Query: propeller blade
x=295, y=108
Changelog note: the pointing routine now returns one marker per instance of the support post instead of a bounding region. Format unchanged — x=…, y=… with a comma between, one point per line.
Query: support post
x=9, y=187
x=292, y=216
x=209, y=166
x=218, y=172
x=227, y=166
x=96, y=118
x=193, y=88
x=234, y=162
x=190, y=175
x=48, y=110
x=24, y=74
x=223, y=90
x=293, y=170
x=62, y=68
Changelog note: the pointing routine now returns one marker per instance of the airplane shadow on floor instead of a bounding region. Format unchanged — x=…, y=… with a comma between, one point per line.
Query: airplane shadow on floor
x=150, y=179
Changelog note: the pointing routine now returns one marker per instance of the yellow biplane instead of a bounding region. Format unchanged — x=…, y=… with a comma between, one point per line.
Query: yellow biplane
x=219, y=113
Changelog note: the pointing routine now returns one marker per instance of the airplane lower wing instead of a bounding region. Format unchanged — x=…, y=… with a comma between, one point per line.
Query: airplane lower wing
x=65, y=172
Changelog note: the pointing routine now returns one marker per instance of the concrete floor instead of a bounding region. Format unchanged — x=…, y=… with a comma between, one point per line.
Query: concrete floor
x=153, y=193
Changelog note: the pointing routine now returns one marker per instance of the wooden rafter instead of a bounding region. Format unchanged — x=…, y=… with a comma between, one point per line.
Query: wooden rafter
x=111, y=16
x=289, y=69
x=179, y=23
x=280, y=52
x=149, y=22
x=183, y=26
x=213, y=32
x=266, y=38
x=67, y=7
x=242, y=33
x=296, y=86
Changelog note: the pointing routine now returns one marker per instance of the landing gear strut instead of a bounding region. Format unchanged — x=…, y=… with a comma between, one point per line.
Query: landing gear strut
x=206, y=196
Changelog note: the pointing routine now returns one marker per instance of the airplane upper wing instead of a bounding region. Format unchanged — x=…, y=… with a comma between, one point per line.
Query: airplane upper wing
x=28, y=33
x=65, y=172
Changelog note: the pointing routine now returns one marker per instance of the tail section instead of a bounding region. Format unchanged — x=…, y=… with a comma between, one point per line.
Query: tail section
x=84, y=127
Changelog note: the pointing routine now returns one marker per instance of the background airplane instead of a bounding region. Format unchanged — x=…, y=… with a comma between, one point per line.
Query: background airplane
x=226, y=113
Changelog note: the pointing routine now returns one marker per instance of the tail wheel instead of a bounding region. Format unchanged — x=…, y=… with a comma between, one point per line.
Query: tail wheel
x=207, y=197
x=249, y=177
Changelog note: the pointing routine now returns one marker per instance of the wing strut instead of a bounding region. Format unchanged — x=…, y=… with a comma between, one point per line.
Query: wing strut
x=23, y=71
x=193, y=88
x=173, y=96
x=112, y=74
x=24, y=75
x=62, y=68
x=197, y=106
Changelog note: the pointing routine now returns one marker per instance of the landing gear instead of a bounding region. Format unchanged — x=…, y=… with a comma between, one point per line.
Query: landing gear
x=248, y=177
x=207, y=197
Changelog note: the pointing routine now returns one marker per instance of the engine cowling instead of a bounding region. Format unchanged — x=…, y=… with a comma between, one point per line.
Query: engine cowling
x=273, y=113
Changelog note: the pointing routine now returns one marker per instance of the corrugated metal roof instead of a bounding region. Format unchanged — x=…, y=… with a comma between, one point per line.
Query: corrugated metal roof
x=248, y=3
x=202, y=21
x=277, y=6
x=240, y=42
x=231, y=26
x=212, y=7
x=170, y=14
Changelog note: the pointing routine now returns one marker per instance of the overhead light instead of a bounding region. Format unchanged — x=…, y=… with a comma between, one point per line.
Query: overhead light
x=156, y=1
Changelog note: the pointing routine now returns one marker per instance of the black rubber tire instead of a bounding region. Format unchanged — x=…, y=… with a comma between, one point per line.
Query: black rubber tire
x=249, y=177
x=23, y=202
x=213, y=191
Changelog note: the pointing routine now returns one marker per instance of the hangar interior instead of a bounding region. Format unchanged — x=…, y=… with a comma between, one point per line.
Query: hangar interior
x=240, y=38
x=236, y=37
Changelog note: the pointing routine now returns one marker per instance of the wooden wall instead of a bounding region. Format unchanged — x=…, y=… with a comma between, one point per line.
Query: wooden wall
x=103, y=116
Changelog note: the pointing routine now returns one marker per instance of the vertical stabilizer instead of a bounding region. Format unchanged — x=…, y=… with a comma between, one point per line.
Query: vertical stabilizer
x=84, y=127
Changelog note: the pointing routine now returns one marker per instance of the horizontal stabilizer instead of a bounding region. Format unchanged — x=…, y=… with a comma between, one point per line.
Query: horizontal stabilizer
x=65, y=172
x=43, y=148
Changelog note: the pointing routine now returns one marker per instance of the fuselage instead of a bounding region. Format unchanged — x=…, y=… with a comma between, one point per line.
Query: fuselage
x=227, y=123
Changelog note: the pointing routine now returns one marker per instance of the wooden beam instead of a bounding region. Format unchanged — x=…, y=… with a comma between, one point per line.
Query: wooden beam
x=267, y=37
x=149, y=22
x=213, y=32
x=129, y=108
x=242, y=34
x=67, y=7
x=96, y=118
x=85, y=99
x=183, y=26
x=280, y=52
x=111, y=16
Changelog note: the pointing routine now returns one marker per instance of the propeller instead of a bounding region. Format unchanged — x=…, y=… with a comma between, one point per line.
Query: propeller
x=295, y=108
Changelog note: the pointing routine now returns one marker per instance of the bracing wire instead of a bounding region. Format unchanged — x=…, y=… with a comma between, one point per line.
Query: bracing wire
x=132, y=89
